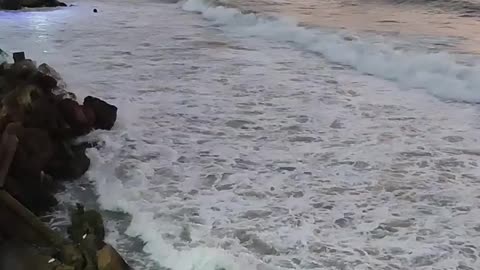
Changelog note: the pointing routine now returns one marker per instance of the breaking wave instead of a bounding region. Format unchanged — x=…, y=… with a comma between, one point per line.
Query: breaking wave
x=438, y=73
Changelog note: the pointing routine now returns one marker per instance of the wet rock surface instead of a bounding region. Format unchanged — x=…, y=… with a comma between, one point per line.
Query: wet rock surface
x=19, y=4
x=44, y=120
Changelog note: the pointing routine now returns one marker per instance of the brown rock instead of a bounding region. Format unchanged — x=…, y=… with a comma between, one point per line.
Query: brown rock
x=33, y=193
x=75, y=116
x=50, y=71
x=109, y=259
x=105, y=114
x=45, y=82
x=15, y=256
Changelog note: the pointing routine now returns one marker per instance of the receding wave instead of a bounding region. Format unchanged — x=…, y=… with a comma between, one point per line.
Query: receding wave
x=440, y=74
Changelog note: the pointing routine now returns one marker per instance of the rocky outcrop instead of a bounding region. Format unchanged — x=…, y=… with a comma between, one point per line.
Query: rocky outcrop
x=45, y=118
x=18, y=4
x=39, y=121
x=10, y=4
x=103, y=114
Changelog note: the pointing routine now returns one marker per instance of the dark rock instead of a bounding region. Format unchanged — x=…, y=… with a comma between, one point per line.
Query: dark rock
x=89, y=116
x=95, y=10
x=23, y=69
x=50, y=71
x=18, y=56
x=72, y=255
x=68, y=163
x=108, y=258
x=42, y=3
x=45, y=82
x=74, y=115
x=17, y=103
x=32, y=3
x=44, y=115
x=54, y=3
x=105, y=114
x=10, y=4
x=84, y=223
x=15, y=255
x=33, y=193
x=34, y=152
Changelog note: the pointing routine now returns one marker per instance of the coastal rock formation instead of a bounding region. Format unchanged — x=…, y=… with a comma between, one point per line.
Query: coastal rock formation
x=45, y=118
x=39, y=121
x=18, y=4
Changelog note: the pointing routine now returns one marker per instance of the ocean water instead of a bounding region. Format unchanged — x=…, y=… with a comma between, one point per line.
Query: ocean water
x=274, y=134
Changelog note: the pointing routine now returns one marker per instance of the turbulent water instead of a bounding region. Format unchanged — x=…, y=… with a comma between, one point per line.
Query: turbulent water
x=275, y=134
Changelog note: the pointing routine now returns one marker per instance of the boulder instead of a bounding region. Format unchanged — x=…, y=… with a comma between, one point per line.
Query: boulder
x=16, y=256
x=109, y=259
x=54, y=3
x=17, y=102
x=45, y=82
x=89, y=115
x=34, y=193
x=50, y=71
x=85, y=223
x=105, y=114
x=34, y=151
x=23, y=69
x=41, y=3
x=10, y=4
x=27, y=182
x=43, y=114
x=68, y=162
x=70, y=254
x=74, y=115
x=32, y=3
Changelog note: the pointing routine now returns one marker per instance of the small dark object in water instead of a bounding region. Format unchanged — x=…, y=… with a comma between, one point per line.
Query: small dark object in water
x=95, y=10
x=18, y=56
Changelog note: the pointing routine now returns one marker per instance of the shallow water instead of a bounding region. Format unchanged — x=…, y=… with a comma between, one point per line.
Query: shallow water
x=252, y=143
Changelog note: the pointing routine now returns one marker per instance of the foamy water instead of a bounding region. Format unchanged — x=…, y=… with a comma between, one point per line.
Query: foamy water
x=252, y=143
